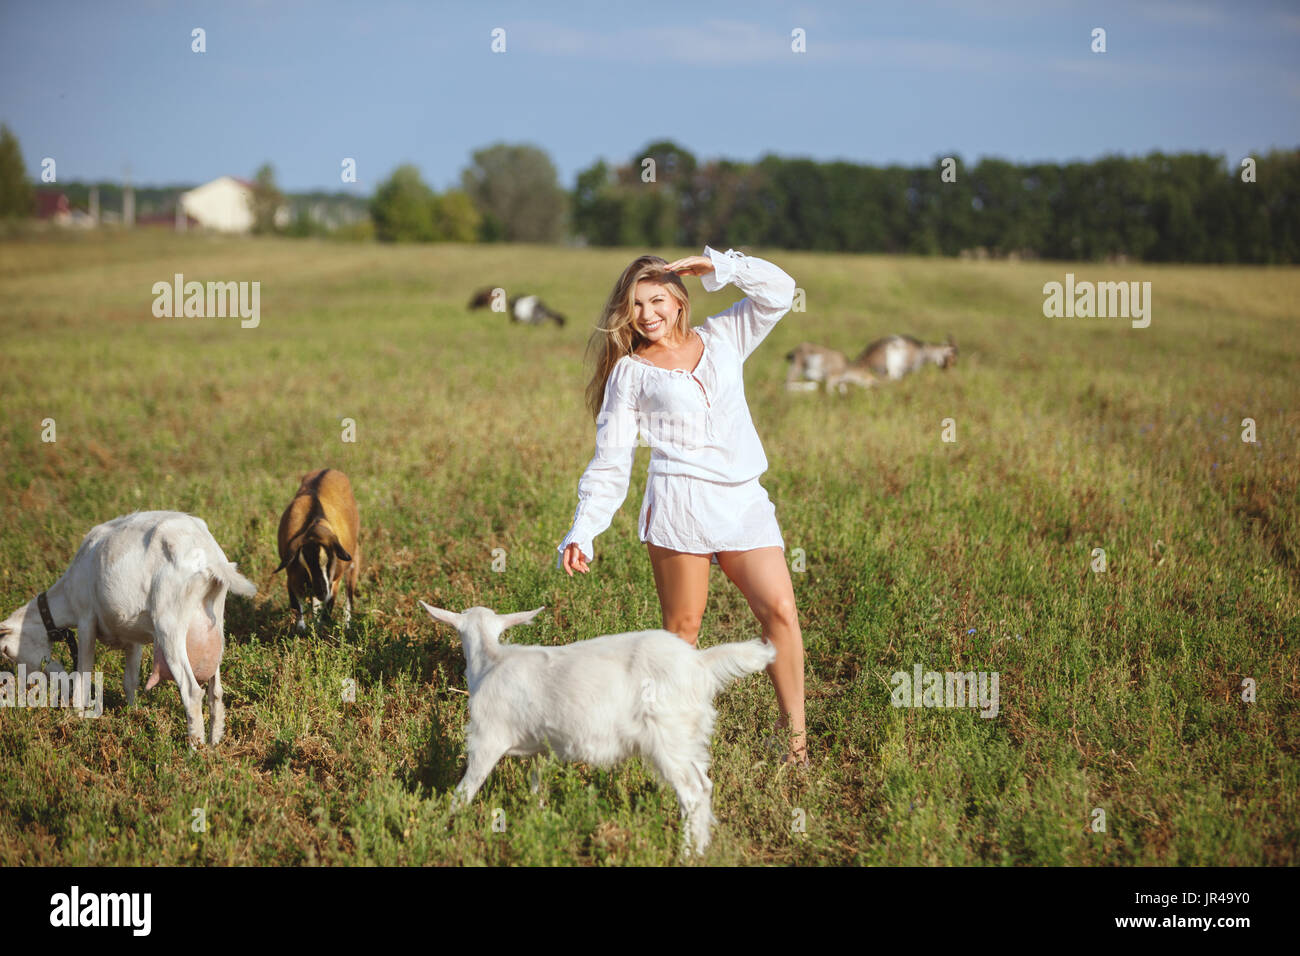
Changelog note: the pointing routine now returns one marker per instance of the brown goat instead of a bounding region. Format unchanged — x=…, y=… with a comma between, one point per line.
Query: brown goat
x=318, y=542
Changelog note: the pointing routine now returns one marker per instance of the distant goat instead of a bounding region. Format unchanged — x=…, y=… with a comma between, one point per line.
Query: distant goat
x=528, y=309
x=889, y=358
x=812, y=364
x=150, y=577
x=598, y=701
x=318, y=543
x=896, y=355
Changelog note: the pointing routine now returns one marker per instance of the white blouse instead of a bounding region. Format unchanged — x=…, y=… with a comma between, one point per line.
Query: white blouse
x=696, y=422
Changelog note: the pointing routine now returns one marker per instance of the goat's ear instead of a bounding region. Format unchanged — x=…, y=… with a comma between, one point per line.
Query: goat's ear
x=521, y=617
x=340, y=553
x=285, y=563
x=446, y=617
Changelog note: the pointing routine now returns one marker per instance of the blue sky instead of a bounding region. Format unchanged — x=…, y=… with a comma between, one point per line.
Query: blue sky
x=100, y=85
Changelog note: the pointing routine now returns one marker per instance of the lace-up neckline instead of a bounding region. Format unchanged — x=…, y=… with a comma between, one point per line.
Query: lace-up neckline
x=703, y=341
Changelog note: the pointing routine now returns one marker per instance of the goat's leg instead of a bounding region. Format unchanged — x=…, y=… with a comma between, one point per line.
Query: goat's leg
x=483, y=756
x=216, y=708
x=351, y=580
x=701, y=819
x=131, y=671
x=296, y=603
x=682, y=777
x=85, y=662
x=794, y=375
x=171, y=645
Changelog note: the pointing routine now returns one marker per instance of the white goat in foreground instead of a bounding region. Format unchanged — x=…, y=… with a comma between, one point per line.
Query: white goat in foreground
x=599, y=701
x=150, y=577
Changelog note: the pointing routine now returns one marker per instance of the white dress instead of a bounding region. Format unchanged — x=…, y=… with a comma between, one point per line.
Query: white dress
x=702, y=494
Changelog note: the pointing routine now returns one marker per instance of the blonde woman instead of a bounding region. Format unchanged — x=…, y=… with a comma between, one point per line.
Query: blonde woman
x=683, y=389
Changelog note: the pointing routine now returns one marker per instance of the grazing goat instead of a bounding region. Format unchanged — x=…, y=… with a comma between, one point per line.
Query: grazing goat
x=150, y=577
x=598, y=701
x=810, y=364
x=528, y=309
x=318, y=543
x=896, y=355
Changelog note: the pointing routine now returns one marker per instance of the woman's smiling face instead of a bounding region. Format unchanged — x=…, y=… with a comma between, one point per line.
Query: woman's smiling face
x=655, y=311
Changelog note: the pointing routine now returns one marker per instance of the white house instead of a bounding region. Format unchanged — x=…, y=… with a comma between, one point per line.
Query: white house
x=226, y=205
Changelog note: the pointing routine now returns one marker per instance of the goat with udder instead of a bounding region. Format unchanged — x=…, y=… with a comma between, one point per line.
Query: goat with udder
x=150, y=577
x=646, y=693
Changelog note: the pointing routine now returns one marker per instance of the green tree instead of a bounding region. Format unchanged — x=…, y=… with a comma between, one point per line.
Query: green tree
x=596, y=206
x=15, y=190
x=518, y=192
x=455, y=219
x=267, y=201
x=403, y=208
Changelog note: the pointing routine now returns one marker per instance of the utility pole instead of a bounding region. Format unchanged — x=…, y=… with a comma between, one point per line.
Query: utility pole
x=128, y=199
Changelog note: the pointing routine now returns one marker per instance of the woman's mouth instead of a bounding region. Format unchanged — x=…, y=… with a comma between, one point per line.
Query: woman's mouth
x=652, y=326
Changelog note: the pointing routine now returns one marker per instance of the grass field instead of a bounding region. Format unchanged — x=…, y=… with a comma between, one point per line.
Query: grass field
x=1119, y=691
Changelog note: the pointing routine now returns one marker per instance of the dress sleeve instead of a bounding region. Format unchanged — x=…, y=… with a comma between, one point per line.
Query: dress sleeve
x=769, y=293
x=603, y=486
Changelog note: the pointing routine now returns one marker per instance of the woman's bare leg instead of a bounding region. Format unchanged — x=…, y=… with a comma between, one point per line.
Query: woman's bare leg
x=682, y=581
x=764, y=579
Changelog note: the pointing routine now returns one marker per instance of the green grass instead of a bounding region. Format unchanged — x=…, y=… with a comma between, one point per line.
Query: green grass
x=1119, y=691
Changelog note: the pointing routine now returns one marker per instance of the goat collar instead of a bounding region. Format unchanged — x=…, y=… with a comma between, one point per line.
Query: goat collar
x=56, y=633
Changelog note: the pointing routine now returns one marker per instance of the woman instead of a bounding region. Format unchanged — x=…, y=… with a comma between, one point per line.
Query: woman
x=683, y=389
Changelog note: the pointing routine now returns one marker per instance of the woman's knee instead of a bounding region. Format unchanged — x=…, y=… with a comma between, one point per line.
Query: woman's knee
x=685, y=626
x=779, y=614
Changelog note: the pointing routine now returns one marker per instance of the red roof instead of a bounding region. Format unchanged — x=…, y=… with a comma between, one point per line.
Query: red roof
x=50, y=204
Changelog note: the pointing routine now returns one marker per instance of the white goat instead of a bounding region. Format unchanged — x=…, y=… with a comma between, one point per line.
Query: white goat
x=600, y=702
x=148, y=577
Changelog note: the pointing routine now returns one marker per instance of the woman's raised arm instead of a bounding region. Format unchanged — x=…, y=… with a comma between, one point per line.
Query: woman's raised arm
x=769, y=293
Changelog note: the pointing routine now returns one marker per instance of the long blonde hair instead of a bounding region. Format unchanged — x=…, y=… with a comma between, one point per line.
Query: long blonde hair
x=616, y=334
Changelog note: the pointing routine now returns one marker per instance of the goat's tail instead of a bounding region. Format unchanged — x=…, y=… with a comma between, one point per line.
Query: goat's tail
x=237, y=583
x=726, y=662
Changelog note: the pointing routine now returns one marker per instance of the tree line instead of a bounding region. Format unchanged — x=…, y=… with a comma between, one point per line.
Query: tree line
x=1185, y=207
x=1188, y=207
